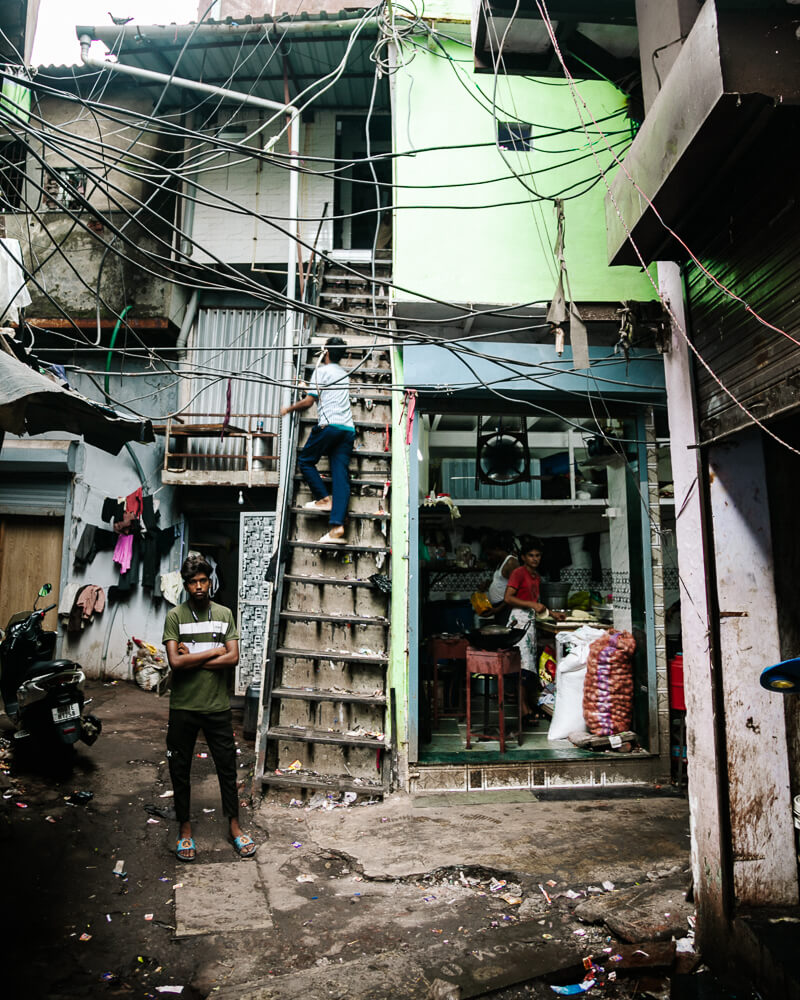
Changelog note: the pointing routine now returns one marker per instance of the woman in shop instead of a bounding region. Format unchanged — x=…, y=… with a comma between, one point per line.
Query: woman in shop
x=522, y=596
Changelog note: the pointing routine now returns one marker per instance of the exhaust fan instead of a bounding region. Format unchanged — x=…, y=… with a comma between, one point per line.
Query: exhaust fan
x=502, y=456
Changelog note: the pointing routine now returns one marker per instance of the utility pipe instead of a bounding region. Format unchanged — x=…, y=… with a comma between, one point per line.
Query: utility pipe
x=213, y=32
x=85, y=38
x=186, y=325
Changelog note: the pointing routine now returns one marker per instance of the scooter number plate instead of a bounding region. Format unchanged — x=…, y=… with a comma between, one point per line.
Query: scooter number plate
x=66, y=712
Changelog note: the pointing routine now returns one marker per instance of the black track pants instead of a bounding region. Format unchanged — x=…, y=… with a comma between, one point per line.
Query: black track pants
x=181, y=737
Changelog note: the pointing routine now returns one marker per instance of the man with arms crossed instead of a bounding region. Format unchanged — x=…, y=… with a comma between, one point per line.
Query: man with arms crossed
x=202, y=644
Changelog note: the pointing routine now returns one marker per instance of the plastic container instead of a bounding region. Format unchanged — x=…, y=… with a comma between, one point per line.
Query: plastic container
x=677, y=700
x=260, y=447
x=250, y=718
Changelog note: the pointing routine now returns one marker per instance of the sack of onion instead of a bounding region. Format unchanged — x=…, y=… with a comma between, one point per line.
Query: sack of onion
x=608, y=688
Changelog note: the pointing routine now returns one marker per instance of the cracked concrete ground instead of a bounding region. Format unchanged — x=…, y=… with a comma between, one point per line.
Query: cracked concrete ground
x=375, y=902
x=381, y=895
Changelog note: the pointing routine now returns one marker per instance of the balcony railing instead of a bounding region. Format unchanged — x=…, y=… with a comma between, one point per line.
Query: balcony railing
x=202, y=449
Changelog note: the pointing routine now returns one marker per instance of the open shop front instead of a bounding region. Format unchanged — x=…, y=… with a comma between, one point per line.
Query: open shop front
x=583, y=475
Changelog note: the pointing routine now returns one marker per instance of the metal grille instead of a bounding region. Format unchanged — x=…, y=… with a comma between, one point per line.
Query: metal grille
x=256, y=542
x=243, y=341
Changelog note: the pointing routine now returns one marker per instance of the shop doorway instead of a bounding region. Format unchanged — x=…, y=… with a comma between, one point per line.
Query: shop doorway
x=585, y=496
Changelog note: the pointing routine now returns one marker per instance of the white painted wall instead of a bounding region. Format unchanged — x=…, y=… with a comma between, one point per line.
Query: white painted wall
x=704, y=806
x=762, y=834
x=263, y=189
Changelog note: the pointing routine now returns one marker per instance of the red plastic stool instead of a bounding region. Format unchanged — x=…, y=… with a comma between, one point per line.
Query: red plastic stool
x=496, y=663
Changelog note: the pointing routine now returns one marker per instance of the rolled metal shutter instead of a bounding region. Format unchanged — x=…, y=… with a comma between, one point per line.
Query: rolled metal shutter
x=34, y=494
x=754, y=254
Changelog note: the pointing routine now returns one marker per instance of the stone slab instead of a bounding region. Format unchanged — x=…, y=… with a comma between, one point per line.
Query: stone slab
x=656, y=911
x=503, y=958
x=201, y=908
x=504, y=961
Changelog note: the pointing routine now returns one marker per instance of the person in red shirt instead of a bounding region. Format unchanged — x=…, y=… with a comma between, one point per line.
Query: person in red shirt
x=522, y=596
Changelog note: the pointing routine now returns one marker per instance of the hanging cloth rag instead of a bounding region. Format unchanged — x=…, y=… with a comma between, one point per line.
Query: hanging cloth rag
x=410, y=407
x=93, y=540
x=123, y=552
x=113, y=509
x=134, y=503
x=171, y=587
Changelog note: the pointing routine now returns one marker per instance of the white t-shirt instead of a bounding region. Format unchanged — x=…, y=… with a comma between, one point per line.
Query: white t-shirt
x=497, y=588
x=331, y=389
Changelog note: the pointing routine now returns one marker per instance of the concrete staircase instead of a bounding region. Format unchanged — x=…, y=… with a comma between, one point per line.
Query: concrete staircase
x=325, y=722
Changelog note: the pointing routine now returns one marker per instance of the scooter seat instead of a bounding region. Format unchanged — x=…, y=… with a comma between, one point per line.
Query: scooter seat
x=49, y=667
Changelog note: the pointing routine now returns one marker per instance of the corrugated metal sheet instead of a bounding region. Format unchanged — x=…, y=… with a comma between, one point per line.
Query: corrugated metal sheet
x=754, y=255
x=243, y=341
x=34, y=495
x=247, y=55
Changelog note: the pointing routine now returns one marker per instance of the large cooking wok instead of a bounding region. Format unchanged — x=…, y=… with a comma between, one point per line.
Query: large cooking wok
x=493, y=637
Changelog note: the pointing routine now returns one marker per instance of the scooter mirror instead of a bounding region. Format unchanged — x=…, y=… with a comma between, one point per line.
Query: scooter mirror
x=44, y=590
x=782, y=677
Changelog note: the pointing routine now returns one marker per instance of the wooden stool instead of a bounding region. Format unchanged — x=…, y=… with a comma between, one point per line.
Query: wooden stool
x=496, y=663
x=445, y=649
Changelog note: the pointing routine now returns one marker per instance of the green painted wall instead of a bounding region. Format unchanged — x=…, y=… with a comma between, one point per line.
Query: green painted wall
x=465, y=252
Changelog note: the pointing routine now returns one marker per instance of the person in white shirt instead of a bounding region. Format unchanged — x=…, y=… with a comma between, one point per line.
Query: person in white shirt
x=333, y=436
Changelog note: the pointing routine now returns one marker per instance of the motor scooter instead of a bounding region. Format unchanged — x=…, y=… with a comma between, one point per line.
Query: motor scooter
x=43, y=697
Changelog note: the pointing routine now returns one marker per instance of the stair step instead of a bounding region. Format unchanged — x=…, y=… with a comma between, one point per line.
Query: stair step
x=323, y=736
x=360, y=301
x=298, y=694
x=374, y=425
x=353, y=482
x=369, y=453
x=322, y=782
x=334, y=546
x=330, y=654
x=310, y=366
x=361, y=340
x=351, y=514
x=305, y=616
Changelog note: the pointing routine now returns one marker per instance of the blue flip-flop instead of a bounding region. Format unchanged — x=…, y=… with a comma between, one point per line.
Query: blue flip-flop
x=242, y=843
x=185, y=844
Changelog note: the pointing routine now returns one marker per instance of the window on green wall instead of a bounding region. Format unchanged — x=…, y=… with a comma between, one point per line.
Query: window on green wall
x=515, y=136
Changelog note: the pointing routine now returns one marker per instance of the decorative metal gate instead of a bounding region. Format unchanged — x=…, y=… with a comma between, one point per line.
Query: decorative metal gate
x=256, y=541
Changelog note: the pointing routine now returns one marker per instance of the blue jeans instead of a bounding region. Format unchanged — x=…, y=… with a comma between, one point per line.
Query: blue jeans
x=337, y=444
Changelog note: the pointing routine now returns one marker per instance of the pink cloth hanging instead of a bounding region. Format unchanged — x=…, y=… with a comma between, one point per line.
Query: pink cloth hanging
x=123, y=552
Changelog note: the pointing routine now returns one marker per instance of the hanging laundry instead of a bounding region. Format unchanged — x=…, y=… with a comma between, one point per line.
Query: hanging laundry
x=93, y=540
x=172, y=587
x=134, y=503
x=66, y=600
x=89, y=600
x=113, y=509
x=130, y=579
x=123, y=552
x=151, y=555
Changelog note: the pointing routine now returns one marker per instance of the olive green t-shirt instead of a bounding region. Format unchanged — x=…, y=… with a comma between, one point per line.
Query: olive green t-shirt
x=200, y=690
